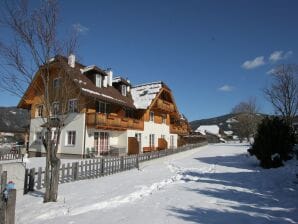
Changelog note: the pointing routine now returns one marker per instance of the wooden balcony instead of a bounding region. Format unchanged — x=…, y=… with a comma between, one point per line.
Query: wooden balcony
x=180, y=130
x=112, y=122
x=164, y=106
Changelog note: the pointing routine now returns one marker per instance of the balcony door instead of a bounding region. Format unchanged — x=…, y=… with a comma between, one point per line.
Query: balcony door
x=101, y=143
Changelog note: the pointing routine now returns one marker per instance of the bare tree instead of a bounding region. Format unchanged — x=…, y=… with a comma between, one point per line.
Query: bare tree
x=283, y=92
x=32, y=44
x=247, y=118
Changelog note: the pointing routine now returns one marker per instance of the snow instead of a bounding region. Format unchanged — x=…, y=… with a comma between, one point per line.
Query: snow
x=87, y=68
x=211, y=129
x=229, y=133
x=100, y=94
x=143, y=95
x=212, y=184
x=231, y=120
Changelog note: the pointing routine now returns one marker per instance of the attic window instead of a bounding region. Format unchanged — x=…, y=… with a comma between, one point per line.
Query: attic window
x=56, y=82
x=98, y=80
x=123, y=90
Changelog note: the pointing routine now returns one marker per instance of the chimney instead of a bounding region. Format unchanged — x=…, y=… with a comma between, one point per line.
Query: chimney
x=72, y=60
x=105, y=81
x=110, y=76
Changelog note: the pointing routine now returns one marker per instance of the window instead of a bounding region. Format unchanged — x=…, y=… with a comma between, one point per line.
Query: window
x=38, y=137
x=55, y=108
x=123, y=90
x=98, y=80
x=151, y=116
x=73, y=106
x=39, y=110
x=71, y=138
x=56, y=83
x=164, y=119
x=103, y=107
x=151, y=140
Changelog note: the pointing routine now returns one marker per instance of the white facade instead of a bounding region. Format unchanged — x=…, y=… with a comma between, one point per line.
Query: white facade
x=74, y=122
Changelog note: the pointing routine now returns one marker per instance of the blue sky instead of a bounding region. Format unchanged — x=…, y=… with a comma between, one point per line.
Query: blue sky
x=212, y=54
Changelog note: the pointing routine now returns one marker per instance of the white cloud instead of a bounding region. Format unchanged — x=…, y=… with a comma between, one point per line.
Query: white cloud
x=271, y=71
x=80, y=28
x=279, y=55
x=226, y=88
x=258, y=61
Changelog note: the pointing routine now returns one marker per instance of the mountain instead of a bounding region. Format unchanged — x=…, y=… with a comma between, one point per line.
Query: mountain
x=221, y=121
x=13, y=119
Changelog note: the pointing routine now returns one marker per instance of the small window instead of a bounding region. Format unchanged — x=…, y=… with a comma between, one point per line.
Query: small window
x=55, y=108
x=103, y=107
x=98, y=80
x=71, y=138
x=38, y=137
x=56, y=83
x=39, y=110
x=151, y=116
x=73, y=106
x=123, y=90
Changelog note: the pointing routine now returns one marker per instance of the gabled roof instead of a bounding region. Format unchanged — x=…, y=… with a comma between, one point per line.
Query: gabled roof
x=144, y=94
x=119, y=79
x=87, y=87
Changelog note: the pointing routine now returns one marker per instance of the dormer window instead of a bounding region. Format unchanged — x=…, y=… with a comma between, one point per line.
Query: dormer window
x=123, y=90
x=56, y=82
x=98, y=80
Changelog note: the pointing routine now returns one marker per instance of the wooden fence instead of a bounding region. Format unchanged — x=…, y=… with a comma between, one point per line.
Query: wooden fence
x=10, y=154
x=95, y=168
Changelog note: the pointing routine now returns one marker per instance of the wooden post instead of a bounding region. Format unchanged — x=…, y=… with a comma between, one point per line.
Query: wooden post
x=31, y=179
x=102, y=164
x=3, y=180
x=121, y=163
x=26, y=181
x=11, y=207
x=75, y=168
x=137, y=162
x=39, y=178
x=62, y=173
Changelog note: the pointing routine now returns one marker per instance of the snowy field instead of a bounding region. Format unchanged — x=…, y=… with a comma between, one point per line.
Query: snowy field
x=212, y=184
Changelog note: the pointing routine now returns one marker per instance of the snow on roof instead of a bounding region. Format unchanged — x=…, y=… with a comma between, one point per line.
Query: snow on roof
x=143, y=95
x=100, y=94
x=228, y=133
x=231, y=120
x=211, y=129
x=88, y=68
x=117, y=79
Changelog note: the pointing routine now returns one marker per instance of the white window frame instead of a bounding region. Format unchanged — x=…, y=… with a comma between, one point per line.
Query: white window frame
x=123, y=90
x=151, y=116
x=98, y=80
x=70, y=138
x=73, y=105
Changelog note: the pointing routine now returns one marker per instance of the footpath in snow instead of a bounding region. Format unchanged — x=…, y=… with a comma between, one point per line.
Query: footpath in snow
x=212, y=184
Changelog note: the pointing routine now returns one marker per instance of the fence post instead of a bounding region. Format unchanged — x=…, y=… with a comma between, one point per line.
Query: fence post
x=3, y=180
x=121, y=163
x=26, y=181
x=31, y=179
x=75, y=168
x=137, y=162
x=102, y=164
x=11, y=206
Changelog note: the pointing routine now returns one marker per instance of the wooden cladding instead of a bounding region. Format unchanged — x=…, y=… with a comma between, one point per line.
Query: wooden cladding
x=179, y=129
x=113, y=122
x=165, y=106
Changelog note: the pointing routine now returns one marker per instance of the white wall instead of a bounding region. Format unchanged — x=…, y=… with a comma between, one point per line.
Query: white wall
x=74, y=122
x=156, y=129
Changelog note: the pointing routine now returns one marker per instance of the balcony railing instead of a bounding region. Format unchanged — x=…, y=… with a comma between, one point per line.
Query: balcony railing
x=165, y=106
x=113, y=122
x=180, y=130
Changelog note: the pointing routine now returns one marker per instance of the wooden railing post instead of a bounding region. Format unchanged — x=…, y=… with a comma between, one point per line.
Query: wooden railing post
x=137, y=162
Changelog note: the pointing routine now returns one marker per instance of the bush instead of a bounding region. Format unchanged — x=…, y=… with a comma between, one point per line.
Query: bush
x=273, y=143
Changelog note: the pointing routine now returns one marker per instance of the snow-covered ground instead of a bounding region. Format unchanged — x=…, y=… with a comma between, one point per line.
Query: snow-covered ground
x=212, y=184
